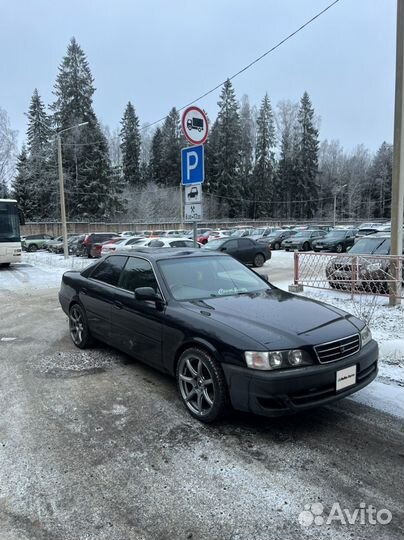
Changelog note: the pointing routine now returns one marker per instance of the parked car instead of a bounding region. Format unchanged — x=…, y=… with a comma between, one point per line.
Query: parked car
x=75, y=244
x=244, y=250
x=366, y=231
x=336, y=241
x=58, y=247
x=173, y=242
x=96, y=247
x=95, y=238
x=128, y=233
x=371, y=274
x=240, y=232
x=119, y=244
x=226, y=335
x=33, y=242
x=262, y=232
x=302, y=240
x=275, y=238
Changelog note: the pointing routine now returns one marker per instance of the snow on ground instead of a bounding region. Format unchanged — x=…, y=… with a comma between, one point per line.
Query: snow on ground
x=386, y=323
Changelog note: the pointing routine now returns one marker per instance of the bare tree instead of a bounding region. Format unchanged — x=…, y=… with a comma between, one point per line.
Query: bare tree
x=8, y=149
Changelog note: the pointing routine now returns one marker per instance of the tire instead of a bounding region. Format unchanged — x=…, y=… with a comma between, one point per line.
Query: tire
x=78, y=326
x=306, y=246
x=33, y=247
x=339, y=248
x=277, y=245
x=5, y=265
x=202, y=385
x=259, y=260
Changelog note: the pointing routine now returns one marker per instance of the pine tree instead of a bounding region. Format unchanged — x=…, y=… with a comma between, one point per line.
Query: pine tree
x=379, y=181
x=41, y=164
x=20, y=188
x=92, y=189
x=156, y=157
x=172, y=142
x=247, y=131
x=130, y=146
x=288, y=158
x=307, y=159
x=264, y=170
x=229, y=149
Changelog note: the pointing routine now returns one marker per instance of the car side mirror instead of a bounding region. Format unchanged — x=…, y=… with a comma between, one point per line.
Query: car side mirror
x=146, y=293
x=223, y=249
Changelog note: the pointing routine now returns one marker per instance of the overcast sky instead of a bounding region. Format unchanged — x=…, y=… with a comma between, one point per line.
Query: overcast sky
x=161, y=53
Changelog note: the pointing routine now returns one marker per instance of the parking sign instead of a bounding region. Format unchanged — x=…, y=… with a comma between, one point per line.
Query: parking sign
x=192, y=167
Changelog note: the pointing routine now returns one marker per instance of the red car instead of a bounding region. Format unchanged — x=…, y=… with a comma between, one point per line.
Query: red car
x=95, y=249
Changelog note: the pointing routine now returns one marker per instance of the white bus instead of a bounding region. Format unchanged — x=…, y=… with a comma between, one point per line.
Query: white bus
x=10, y=237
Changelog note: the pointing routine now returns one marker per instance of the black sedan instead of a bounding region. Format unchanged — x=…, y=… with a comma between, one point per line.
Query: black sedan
x=244, y=250
x=228, y=336
x=274, y=239
x=336, y=241
x=302, y=240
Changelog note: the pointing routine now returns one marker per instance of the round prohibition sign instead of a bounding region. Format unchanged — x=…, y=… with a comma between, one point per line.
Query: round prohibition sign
x=195, y=125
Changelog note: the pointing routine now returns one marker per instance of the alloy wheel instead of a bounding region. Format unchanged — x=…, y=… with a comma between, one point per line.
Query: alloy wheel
x=196, y=385
x=76, y=323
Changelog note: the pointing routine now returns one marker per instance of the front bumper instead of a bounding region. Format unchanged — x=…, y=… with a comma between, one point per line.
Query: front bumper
x=271, y=393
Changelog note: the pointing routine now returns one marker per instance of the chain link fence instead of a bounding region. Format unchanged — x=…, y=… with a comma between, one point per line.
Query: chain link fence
x=356, y=274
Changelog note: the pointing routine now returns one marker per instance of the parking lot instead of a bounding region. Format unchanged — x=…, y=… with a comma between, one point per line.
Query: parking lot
x=94, y=445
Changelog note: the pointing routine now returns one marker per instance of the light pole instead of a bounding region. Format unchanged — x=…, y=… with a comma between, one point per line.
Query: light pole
x=62, y=189
x=335, y=201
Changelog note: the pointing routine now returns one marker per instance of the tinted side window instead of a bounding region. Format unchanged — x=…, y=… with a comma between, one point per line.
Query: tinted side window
x=137, y=273
x=244, y=243
x=231, y=244
x=109, y=270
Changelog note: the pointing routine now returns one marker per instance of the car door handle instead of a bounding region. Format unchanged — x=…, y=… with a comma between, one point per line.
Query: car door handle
x=118, y=304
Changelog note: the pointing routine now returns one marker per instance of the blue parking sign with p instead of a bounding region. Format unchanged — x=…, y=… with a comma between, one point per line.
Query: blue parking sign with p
x=192, y=166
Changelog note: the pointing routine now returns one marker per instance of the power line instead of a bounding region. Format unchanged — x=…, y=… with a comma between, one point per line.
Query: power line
x=248, y=66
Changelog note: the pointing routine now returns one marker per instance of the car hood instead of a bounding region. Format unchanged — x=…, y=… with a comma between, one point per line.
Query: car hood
x=278, y=319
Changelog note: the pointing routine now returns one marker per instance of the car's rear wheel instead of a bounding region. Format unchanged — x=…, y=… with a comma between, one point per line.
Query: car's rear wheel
x=79, y=331
x=202, y=385
x=259, y=260
x=277, y=245
x=32, y=247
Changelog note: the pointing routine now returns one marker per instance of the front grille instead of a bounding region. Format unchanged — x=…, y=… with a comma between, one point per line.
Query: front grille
x=336, y=350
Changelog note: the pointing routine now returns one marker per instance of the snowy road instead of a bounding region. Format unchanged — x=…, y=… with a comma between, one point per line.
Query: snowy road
x=93, y=445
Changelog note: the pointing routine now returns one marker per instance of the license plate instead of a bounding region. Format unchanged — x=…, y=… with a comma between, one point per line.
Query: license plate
x=345, y=377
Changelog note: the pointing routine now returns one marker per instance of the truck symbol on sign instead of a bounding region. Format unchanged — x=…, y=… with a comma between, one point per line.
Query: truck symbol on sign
x=193, y=193
x=195, y=123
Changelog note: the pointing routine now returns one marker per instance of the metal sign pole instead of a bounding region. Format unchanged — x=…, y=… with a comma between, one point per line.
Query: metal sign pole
x=181, y=206
x=195, y=235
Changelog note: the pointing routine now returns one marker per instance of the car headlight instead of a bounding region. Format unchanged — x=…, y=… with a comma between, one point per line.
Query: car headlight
x=277, y=359
x=366, y=335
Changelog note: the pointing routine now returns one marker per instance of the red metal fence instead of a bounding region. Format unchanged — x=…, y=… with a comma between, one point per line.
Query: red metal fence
x=366, y=274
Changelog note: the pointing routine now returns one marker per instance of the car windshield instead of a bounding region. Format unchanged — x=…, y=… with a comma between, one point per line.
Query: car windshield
x=381, y=246
x=200, y=278
x=215, y=244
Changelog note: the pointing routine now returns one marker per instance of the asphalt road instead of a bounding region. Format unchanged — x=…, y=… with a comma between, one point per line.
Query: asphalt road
x=94, y=445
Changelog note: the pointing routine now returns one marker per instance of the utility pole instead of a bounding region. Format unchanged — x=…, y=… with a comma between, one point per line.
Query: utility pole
x=397, y=198
x=62, y=189
x=62, y=199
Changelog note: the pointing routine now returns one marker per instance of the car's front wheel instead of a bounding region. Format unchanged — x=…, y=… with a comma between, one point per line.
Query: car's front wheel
x=202, y=385
x=259, y=260
x=339, y=248
x=79, y=331
x=32, y=247
x=277, y=245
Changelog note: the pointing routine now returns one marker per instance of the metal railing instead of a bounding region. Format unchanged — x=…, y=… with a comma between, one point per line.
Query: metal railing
x=356, y=274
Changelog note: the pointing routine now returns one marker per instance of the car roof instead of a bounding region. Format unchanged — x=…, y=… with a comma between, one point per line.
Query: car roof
x=157, y=254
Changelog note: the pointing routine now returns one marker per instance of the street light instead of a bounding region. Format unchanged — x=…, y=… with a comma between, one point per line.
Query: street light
x=335, y=201
x=62, y=189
